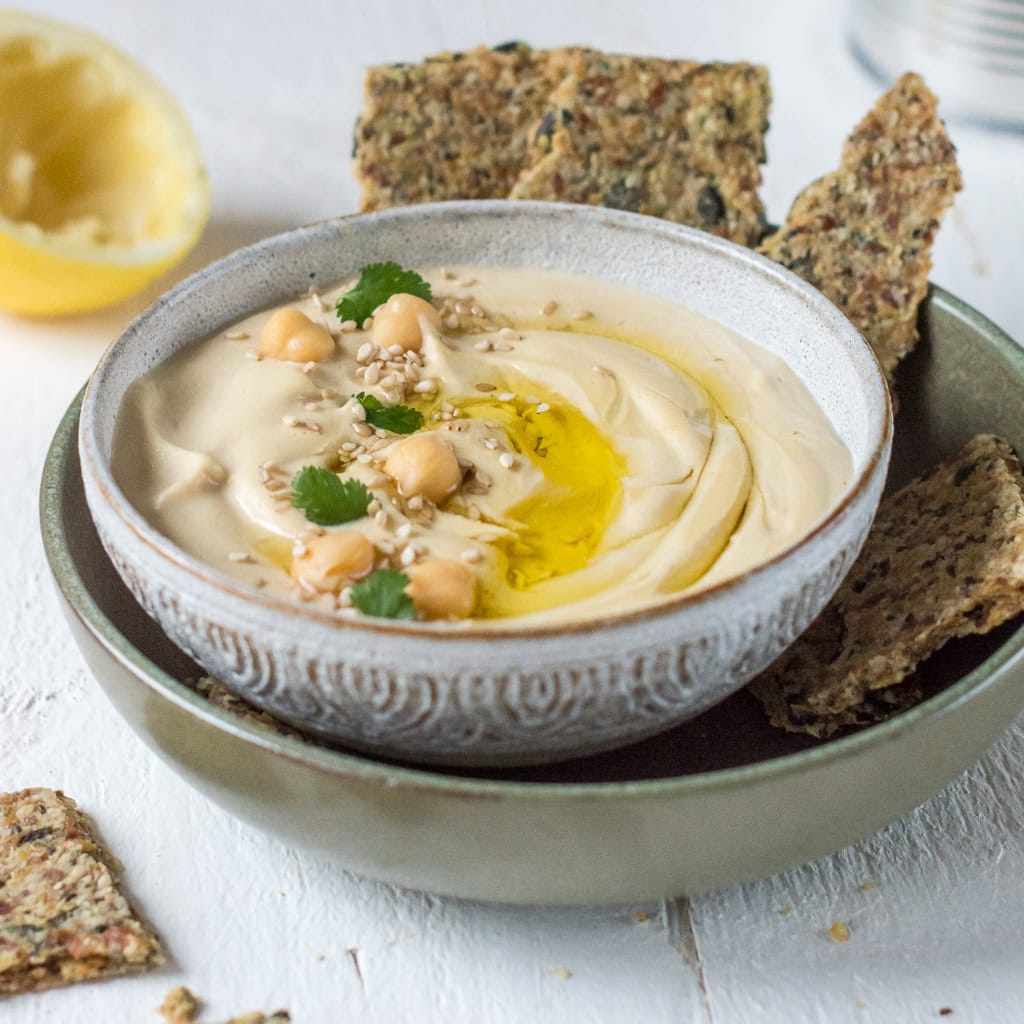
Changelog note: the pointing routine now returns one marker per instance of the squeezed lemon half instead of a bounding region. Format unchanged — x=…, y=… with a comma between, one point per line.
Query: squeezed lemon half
x=102, y=187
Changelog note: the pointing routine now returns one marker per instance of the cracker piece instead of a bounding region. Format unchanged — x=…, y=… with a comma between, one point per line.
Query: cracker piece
x=671, y=138
x=456, y=126
x=863, y=233
x=945, y=558
x=220, y=696
x=62, y=918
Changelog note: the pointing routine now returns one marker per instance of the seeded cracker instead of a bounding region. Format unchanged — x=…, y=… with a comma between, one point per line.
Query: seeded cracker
x=945, y=558
x=863, y=234
x=62, y=919
x=456, y=126
x=673, y=139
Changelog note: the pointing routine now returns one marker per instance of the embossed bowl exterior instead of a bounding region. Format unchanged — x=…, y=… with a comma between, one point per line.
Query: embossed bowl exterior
x=431, y=693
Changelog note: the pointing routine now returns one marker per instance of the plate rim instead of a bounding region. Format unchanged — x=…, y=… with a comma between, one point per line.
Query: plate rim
x=364, y=769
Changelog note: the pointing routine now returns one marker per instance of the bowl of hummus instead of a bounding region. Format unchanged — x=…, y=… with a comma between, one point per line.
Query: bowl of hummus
x=487, y=482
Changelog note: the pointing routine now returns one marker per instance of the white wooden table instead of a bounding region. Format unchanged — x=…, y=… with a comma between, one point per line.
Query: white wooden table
x=273, y=91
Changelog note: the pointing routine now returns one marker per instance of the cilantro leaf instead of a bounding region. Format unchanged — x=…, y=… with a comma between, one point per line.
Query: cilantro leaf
x=326, y=500
x=377, y=283
x=383, y=594
x=399, y=419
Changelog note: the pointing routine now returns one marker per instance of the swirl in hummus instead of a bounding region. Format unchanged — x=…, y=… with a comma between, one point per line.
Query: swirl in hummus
x=611, y=449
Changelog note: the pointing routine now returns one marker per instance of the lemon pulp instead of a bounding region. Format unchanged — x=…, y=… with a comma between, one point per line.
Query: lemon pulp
x=101, y=184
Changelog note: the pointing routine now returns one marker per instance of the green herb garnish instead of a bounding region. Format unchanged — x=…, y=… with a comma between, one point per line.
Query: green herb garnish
x=383, y=594
x=377, y=283
x=399, y=419
x=327, y=500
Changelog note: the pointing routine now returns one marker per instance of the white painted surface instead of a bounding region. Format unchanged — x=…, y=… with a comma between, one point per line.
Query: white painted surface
x=273, y=95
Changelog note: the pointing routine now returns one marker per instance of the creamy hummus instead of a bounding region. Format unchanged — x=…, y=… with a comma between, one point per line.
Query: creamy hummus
x=615, y=448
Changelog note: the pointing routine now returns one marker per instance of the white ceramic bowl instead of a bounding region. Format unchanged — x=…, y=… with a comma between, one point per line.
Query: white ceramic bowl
x=425, y=692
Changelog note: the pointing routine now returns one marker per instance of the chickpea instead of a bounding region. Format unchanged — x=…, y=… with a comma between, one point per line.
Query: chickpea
x=425, y=465
x=334, y=560
x=441, y=588
x=400, y=321
x=291, y=335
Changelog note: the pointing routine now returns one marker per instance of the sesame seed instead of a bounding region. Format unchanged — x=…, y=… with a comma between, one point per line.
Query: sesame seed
x=548, y=308
x=507, y=460
x=386, y=547
x=471, y=555
x=408, y=555
x=447, y=407
x=236, y=335
x=392, y=397
x=366, y=352
x=396, y=350
x=374, y=507
x=404, y=530
x=425, y=386
x=372, y=374
x=348, y=446
x=476, y=311
x=532, y=399
x=290, y=421
x=415, y=502
x=362, y=429
x=380, y=517
x=490, y=443
x=509, y=335
x=543, y=407
x=239, y=556
x=473, y=512
x=483, y=345
x=484, y=386
x=500, y=346
x=451, y=321
x=309, y=367
x=581, y=314
x=506, y=396
x=348, y=325
x=364, y=458
x=253, y=355
x=484, y=478
x=368, y=323
x=299, y=549
x=317, y=301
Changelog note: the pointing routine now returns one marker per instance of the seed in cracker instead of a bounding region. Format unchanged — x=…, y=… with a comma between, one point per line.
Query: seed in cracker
x=863, y=233
x=62, y=918
x=456, y=126
x=671, y=138
x=945, y=558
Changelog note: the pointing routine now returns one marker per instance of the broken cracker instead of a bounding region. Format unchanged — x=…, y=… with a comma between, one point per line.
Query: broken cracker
x=674, y=139
x=863, y=233
x=221, y=697
x=945, y=558
x=62, y=918
x=456, y=126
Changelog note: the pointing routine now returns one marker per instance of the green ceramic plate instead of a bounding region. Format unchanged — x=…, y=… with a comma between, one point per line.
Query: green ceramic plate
x=721, y=799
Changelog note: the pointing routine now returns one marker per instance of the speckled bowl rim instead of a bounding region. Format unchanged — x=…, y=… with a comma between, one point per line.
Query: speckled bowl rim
x=367, y=770
x=208, y=576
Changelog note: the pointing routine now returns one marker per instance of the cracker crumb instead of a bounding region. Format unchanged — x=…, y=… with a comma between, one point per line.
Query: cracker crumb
x=180, y=1006
x=561, y=973
x=839, y=931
